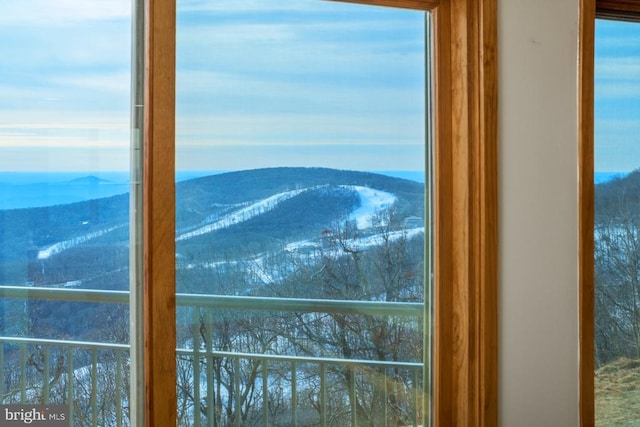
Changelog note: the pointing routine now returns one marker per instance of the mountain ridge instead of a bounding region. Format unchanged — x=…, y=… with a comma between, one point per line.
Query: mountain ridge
x=265, y=227
x=318, y=197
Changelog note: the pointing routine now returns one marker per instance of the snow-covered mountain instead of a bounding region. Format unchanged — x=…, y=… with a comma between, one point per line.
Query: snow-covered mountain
x=234, y=230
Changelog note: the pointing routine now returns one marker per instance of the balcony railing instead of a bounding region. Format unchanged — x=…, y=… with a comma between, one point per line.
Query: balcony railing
x=217, y=387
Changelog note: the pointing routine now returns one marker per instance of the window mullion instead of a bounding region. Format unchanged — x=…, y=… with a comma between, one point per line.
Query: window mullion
x=465, y=330
x=159, y=214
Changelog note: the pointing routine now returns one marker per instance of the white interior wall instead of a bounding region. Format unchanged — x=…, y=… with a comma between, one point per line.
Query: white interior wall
x=538, y=212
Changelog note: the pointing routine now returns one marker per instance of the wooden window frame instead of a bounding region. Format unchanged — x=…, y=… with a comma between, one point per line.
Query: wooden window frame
x=622, y=10
x=465, y=342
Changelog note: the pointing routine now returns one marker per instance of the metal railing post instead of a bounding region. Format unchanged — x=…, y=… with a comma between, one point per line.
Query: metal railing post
x=323, y=395
x=45, y=375
x=94, y=387
x=265, y=394
x=195, y=336
x=70, y=378
x=2, y=378
x=294, y=394
x=211, y=419
x=23, y=373
x=236, y=382
x=119, y=387
x=353, y=395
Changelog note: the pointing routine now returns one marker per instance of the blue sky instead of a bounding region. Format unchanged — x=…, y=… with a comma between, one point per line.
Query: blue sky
x=260, y=83
x=617, y=92
x=64, y=84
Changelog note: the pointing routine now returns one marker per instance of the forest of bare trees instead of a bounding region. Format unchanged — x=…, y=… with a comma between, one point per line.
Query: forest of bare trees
x=217, y=379
x=243, y=364
x=617, y=270
x=340, y=269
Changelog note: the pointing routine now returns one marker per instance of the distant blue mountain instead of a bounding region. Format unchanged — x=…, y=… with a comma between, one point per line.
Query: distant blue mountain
x=30, y=190
x=417, y=176
x=89, y=180
x=20, y=190
x=602, y=177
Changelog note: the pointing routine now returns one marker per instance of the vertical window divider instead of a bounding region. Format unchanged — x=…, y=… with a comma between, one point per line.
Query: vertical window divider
x=136, y=276
x=427, y=322
x=586, y=221
x=159, y=214
x=465, y=356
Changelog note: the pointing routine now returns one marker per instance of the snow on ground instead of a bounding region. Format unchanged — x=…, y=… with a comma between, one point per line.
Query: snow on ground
x=371, y=202
x=245, y=214
x=307, y=250
x=359, y=243
x=362, y=243
x=59, y=247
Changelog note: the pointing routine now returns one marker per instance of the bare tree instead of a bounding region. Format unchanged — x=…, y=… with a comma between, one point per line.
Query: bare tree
x=617, y=261
x=383, y=265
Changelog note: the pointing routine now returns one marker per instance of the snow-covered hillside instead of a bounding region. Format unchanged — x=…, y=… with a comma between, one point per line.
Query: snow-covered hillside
x=371, y=203
x=60, y=247
x=254, y=209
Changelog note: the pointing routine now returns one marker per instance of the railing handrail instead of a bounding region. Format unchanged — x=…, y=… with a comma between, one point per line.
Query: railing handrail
x=299, y=359
x=62, y=294
x=302, y=305
x=194, y=356
x=65, y=343
x=216, y=353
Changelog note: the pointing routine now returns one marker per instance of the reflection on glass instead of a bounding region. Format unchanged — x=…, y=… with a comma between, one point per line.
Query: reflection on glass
x=64, y=221
x=617, y=228
x=301, y=238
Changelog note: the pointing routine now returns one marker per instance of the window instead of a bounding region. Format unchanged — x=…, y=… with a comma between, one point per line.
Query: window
x=463, y=310
x=465, y=264
x=64, y=208
x=608, y=228
x=307, y=121
x=616, y=221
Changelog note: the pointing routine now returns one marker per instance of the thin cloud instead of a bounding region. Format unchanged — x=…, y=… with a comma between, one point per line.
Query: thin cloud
x=618, y=90
x=108, y=82
x=253, y=6
x=243, y=81
x=617, y=144
x=18, y=140
x=618, y=68
x=69, y=126
x=328, y=129
x=61, y=12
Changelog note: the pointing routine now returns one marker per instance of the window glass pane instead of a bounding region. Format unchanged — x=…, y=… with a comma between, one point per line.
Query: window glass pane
x=64, y=216
x=617, y=228
x=302, y=229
